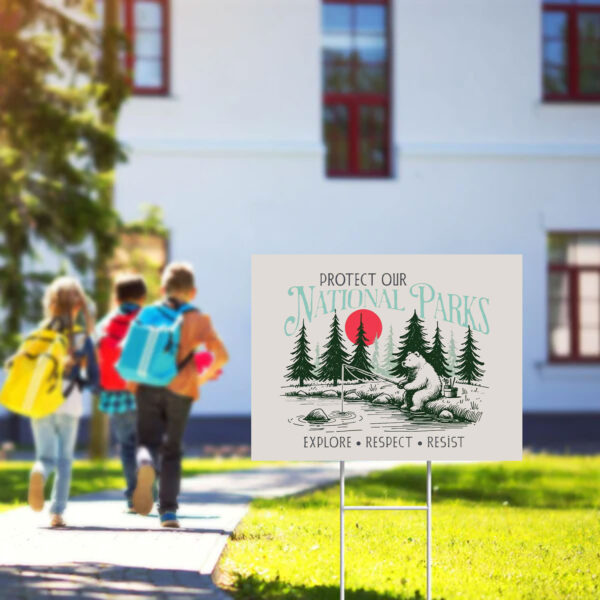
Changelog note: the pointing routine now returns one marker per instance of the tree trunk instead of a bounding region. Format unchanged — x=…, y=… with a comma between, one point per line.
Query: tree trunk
x=14, y=293
x=99, y=426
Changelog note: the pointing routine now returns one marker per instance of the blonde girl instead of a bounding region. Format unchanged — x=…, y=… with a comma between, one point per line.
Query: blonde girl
x=55, y=435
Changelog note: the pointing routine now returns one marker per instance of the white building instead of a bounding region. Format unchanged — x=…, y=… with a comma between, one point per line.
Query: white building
x=463, y=126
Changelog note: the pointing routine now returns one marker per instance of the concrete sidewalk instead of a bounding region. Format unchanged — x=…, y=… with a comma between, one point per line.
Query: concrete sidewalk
x=107, y=553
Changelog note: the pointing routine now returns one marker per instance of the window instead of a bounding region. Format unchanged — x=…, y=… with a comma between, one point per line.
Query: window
x=146, y=24
x=571, y=50
x=574, y=297
x=356, y=84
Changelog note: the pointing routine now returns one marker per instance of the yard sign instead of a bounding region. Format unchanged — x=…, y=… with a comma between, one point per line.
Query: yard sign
x=414, y=357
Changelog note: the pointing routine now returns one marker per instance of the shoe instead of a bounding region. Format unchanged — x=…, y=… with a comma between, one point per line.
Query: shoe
x=130, y=509
x=142, y=495
x=35, y=496
x=57, y=521
x=169, y=520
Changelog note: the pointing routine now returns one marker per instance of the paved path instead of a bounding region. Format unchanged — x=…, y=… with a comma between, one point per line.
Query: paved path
x=107, y=553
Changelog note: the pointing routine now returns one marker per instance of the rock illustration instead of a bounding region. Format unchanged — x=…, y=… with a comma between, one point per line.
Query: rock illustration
x=317, y=415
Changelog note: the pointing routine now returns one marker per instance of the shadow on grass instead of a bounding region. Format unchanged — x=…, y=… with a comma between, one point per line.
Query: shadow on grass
x=522, y=485
x=252, y=588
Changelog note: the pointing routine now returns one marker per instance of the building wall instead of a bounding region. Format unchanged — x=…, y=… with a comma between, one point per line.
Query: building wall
x=481, y=165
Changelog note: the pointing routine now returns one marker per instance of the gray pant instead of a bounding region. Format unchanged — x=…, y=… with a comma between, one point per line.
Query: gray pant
x=162, y=417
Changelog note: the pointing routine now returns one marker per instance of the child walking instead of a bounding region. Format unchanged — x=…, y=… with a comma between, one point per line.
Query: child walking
x=55, y=435
x=116, y=399
x=163, y=411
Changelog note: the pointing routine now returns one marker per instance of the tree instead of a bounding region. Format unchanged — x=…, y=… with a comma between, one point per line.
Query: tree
x=360, y=357
x=375, y=359
x=317, y=358
x=468, y=366
x=301, y=367
x=413, y=340
x=335, y=354
x=452, y=355
x=437, y=355
x=388, y=358
x=56, y=155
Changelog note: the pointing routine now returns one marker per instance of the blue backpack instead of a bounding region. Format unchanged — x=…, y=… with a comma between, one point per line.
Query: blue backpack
x=149, y=352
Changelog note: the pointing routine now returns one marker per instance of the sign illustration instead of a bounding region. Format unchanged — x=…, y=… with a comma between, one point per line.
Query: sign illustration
x=386, y=357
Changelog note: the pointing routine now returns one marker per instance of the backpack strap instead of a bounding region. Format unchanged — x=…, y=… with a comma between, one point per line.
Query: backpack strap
x=181, y=308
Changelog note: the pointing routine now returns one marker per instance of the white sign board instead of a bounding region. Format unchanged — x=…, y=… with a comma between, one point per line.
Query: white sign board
x=386, y=357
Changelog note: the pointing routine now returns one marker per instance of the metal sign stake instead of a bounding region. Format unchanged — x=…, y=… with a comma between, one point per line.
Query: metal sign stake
x=344, y=508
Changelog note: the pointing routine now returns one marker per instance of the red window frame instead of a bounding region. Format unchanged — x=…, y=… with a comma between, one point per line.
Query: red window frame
x=353, y=101
x=573, y=272
x=573, y=93
x=130, y=28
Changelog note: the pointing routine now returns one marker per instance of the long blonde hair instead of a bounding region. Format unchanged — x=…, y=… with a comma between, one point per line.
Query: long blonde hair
x=62, y=297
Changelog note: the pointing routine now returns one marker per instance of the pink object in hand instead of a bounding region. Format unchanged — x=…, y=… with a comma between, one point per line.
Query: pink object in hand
x=203, y=360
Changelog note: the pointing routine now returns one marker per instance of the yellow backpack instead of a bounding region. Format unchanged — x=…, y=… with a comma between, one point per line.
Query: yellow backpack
x=33, y=386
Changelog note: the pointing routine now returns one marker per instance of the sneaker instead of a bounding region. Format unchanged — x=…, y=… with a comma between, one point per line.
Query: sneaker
x=142, y=495
x=35, y=496
x=169, y=519
x=57, y=521
x=130, y=509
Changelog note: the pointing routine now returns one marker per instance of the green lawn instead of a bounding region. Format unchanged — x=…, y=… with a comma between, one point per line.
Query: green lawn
x=518, y=531
x=91, y=476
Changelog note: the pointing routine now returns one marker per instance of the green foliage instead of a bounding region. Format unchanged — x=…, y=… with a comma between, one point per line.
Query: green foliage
x=503, y=531
x=56, y=155
x=301, y=367
x=468, y=365
x=437, y=355
x=335, y=354
x=413, y=340
x=152, y=222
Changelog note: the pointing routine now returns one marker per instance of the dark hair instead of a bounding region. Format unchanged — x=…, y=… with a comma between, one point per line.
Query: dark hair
x=130, y=287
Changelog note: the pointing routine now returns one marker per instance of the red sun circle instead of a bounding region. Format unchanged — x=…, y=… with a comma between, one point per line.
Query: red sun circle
x=371, y=323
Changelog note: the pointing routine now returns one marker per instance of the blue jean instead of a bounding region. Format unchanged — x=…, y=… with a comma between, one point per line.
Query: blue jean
x=125, y=430
x=54, y=437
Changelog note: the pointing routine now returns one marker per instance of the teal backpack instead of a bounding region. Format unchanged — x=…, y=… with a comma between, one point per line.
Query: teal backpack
x=149, y=352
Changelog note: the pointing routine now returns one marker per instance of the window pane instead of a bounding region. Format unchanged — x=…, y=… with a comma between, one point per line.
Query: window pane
x=589, y=342
x=337, y=18
x=148, y=45
x=337, y=72
x=555, y=80
x=336, y=137
x=372, y=149
x=589, y=52
x=584, y=250
x=560, y=335
x=370, y=18
x=555, y=25
x=589, y=286
x=148, y=73
x=148, y=15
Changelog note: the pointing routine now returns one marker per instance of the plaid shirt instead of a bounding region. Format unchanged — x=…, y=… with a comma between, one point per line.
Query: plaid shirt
x=116, y=403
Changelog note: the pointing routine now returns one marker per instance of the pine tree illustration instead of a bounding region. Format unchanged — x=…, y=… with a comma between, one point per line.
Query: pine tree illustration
x=317, y=358
x=437, y=356
x=468, y=365
x=334, y=355
x=452, y=355
x=388, y=358
x=360, y=357
x=301, y=367
x=375, y=360
x=413, y=340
